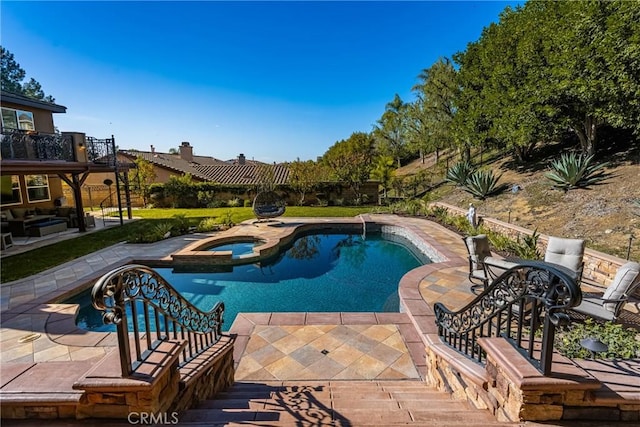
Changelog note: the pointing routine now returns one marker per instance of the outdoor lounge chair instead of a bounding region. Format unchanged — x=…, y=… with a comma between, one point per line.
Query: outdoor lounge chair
x=608, y=306
x=482, y=266
x=567, y=253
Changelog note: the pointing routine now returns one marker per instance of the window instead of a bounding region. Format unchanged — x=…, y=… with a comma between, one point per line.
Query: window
x=10, y=185
x=17, y=119
x=37, y=188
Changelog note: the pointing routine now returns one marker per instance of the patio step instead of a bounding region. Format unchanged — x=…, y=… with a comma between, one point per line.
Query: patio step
x=319, y=403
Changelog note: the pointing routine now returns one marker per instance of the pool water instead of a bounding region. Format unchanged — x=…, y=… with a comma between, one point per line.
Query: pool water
x=317, y=273
x=237, y=248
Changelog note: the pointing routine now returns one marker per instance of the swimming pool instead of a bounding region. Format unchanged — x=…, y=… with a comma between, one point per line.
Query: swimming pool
x=316, y=273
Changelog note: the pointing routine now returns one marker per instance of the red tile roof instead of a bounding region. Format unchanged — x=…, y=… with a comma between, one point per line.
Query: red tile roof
x=242, y=174
x=169, y=161
x=211, y=169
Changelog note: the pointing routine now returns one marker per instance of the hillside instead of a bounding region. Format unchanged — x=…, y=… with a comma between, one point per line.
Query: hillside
x=604, y=215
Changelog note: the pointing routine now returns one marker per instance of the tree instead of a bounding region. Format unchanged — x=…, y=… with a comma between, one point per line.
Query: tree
x=594, y=59
x=349, y=161
x=550, y=66
x=142, y=177
x=431, y=116
x=12, y=76
x=391, y=129
x=11, y=73
x=33, y=89
x=304, y=176
x=383, y=172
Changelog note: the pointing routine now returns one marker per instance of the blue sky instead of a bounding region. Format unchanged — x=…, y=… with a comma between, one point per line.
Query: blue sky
x=275, y=81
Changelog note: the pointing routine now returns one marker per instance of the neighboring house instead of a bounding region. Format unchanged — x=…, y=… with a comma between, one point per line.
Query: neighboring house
x=166, y=165
x=237, y=172
x=36, y=160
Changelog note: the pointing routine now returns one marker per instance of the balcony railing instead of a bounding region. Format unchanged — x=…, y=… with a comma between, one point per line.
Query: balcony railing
x=20, y=145
x=101, y=150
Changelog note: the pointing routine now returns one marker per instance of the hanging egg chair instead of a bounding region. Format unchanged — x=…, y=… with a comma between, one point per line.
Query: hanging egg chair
x=267, y=205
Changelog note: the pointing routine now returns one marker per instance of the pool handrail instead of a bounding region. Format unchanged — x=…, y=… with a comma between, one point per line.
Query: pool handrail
x=174, y=317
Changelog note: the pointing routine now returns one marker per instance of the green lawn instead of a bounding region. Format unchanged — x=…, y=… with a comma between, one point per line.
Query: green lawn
x=34, y=261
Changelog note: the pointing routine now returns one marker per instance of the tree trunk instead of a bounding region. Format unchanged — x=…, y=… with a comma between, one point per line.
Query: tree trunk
x=586, y=132
x=466, y=153
x=422, y=155
x=437, y=155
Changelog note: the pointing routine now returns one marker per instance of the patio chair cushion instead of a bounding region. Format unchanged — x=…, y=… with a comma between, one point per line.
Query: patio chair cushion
x=478, y=247
x=565, y=252
x=626, y=277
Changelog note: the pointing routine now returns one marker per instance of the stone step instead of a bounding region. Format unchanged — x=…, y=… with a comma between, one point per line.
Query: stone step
x=366, y=403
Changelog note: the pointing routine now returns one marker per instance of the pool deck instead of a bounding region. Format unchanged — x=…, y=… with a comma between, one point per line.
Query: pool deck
x=39, y=343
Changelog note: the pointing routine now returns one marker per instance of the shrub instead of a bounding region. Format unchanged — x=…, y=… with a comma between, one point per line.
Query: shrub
x=217, y=204
x=226, y=219
x=248, y=203
x=527, y=246
x=153, y=233
x=576, y=171
x=208, y=224
x=180, y=224
x=622, y=342
x=500, y=241
x=234, y=203
x=460, y=173
x=482, y=184
x=440, y=213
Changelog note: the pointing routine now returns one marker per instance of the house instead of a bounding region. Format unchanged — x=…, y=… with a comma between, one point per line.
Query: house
x=166, y=165
x=37, y=160
x=239, y=178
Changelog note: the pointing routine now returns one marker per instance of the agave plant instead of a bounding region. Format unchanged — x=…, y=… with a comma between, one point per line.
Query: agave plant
x=483, y=184
x=576, y=171
x=460, y=173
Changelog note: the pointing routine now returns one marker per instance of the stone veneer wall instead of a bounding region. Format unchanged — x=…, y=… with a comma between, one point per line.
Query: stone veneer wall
x=108, y=395
x=214, y=377
x=168, y=389
x=513, y=390
x=600, y=268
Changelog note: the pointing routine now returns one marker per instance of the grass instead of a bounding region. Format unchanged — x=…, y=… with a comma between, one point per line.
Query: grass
x=40, y=259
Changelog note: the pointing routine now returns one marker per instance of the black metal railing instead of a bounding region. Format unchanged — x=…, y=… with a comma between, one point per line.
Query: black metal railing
x=147, y=310
x=524, y=305
x=18, y=144
x=102, y=151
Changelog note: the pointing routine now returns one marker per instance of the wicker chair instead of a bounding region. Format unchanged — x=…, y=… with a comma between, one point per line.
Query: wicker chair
x=267, y=205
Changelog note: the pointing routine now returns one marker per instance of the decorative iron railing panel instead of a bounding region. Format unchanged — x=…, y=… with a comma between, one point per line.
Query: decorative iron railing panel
x=146, y=310
x=516, y=305
x=101, y=150
x=17, y=144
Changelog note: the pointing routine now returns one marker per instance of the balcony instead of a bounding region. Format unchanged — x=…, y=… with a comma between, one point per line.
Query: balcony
x=23, y=145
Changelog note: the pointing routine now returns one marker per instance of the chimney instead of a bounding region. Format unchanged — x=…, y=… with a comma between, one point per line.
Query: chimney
x=241, y=159
x=186, y=151
x=153, y=149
